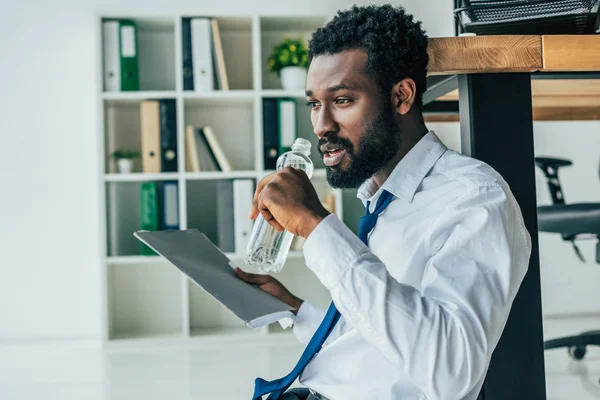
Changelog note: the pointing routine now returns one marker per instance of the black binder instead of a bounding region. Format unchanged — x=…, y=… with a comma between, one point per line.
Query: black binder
x=168, y=135
x=270, y=133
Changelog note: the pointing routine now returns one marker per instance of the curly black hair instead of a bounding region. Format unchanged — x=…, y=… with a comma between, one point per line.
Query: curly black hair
x=395, y=44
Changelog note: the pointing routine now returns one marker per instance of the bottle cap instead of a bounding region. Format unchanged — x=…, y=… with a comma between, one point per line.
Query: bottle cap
x=302, y=145
x=303, y=142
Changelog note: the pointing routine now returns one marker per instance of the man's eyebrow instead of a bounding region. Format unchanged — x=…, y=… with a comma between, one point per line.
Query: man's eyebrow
x=341, y=86
x=331, y=89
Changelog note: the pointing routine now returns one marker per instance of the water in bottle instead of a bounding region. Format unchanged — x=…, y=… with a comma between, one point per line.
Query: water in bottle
x=268, y=249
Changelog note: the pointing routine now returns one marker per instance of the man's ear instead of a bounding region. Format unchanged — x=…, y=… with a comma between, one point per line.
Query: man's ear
x=403, y=95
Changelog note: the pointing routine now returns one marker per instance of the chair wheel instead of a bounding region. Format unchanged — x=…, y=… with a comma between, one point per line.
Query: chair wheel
x=577, y=352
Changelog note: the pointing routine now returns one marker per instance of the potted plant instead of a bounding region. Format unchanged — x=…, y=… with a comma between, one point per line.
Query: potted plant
x=124, y=159
x=289, y=60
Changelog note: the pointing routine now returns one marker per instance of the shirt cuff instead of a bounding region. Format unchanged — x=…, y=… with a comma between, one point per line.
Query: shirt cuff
x=330, y=249
x=308, y=318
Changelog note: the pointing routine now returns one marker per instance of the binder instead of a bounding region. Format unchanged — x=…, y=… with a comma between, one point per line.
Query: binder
x=130, y=80
x=186, y=52
x=111, y=55
x=202, y=56
x=170, y=206
x=243, y=194
x=150, y=130
x=270, y=133
x=287, y=124
x=149, y=218
x=168, y=135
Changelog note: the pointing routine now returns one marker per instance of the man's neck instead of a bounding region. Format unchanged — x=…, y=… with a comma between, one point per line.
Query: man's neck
x=409, y=140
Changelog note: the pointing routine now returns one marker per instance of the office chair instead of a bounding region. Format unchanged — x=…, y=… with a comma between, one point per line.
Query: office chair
x=572, y=221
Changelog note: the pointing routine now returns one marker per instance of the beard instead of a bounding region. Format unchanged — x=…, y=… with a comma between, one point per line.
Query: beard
x=377, y=146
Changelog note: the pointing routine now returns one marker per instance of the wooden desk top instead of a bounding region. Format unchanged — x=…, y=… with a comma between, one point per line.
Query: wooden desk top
x=555, y=99
x=514, y=53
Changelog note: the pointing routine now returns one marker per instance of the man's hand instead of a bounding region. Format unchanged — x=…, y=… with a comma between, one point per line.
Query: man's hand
x=287, y=200
x=272, y=286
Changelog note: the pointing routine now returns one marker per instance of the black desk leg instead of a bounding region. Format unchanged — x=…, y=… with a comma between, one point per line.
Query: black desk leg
x=496, y=127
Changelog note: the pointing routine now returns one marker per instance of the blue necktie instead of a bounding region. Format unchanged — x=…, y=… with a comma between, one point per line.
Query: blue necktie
x=278, y=386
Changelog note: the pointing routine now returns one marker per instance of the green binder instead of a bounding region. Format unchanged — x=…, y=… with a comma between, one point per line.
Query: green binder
x=149, y=212
x=128, y=47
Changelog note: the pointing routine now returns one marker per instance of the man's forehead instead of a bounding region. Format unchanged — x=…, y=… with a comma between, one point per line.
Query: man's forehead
x=347, y=67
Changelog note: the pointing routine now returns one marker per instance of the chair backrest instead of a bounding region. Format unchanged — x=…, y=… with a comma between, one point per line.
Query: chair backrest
x=550, y=168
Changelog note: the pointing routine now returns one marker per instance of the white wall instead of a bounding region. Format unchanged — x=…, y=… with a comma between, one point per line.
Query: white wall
x=50, y=268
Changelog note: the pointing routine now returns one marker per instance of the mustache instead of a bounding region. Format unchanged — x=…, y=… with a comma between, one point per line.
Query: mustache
x=336, y=140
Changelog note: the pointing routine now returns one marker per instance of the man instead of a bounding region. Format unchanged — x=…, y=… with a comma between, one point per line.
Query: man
x=424, y=303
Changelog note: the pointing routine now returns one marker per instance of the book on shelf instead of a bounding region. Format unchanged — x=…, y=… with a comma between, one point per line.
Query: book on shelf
x=203, y=61
x=158, y=123
x=216, y=148
x=204, y=152
x=219, y=57
x=121, y=70
x=207, y=266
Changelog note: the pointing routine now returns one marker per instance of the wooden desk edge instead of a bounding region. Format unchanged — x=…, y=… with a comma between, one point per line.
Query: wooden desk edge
x=514, y=53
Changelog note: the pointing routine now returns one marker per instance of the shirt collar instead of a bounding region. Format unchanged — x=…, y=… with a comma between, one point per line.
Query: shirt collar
x=409, y=172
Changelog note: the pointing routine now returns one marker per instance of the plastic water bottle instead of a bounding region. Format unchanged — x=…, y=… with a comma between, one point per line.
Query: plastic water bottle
x=267, y=248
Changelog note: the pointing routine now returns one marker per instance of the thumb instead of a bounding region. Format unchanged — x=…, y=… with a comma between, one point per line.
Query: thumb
x=254, y=279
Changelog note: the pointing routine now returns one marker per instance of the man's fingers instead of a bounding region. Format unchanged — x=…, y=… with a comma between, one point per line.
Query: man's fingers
x=254, y=211
x=261, y=206
x=254, y=279
x=259, y=188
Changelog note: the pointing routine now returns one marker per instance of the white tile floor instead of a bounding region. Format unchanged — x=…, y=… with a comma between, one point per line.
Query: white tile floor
x=82, y=371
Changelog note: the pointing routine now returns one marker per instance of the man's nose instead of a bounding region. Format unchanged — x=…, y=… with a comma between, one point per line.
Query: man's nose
x=325, y=123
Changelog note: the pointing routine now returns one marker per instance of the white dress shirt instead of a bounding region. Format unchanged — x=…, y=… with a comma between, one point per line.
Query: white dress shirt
x=423, y=306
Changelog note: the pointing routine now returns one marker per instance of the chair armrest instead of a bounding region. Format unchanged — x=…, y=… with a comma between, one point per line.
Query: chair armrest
x=550, y=162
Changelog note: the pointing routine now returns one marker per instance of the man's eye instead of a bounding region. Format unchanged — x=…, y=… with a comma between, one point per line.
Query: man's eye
x=312, y=104
x=342, y=101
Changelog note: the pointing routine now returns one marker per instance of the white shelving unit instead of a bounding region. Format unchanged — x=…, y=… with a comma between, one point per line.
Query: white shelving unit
x=146, y=299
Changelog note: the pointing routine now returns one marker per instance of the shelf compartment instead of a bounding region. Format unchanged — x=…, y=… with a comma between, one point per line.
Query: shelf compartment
x=156, y=41
x=236, y=41
x=231, y=122
x=122, y=130
x=210, y=209
x=124, y=216
x=273, y=30
x=304, y=129
x=144, y=301
x=208, y=317
x=155, y=50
